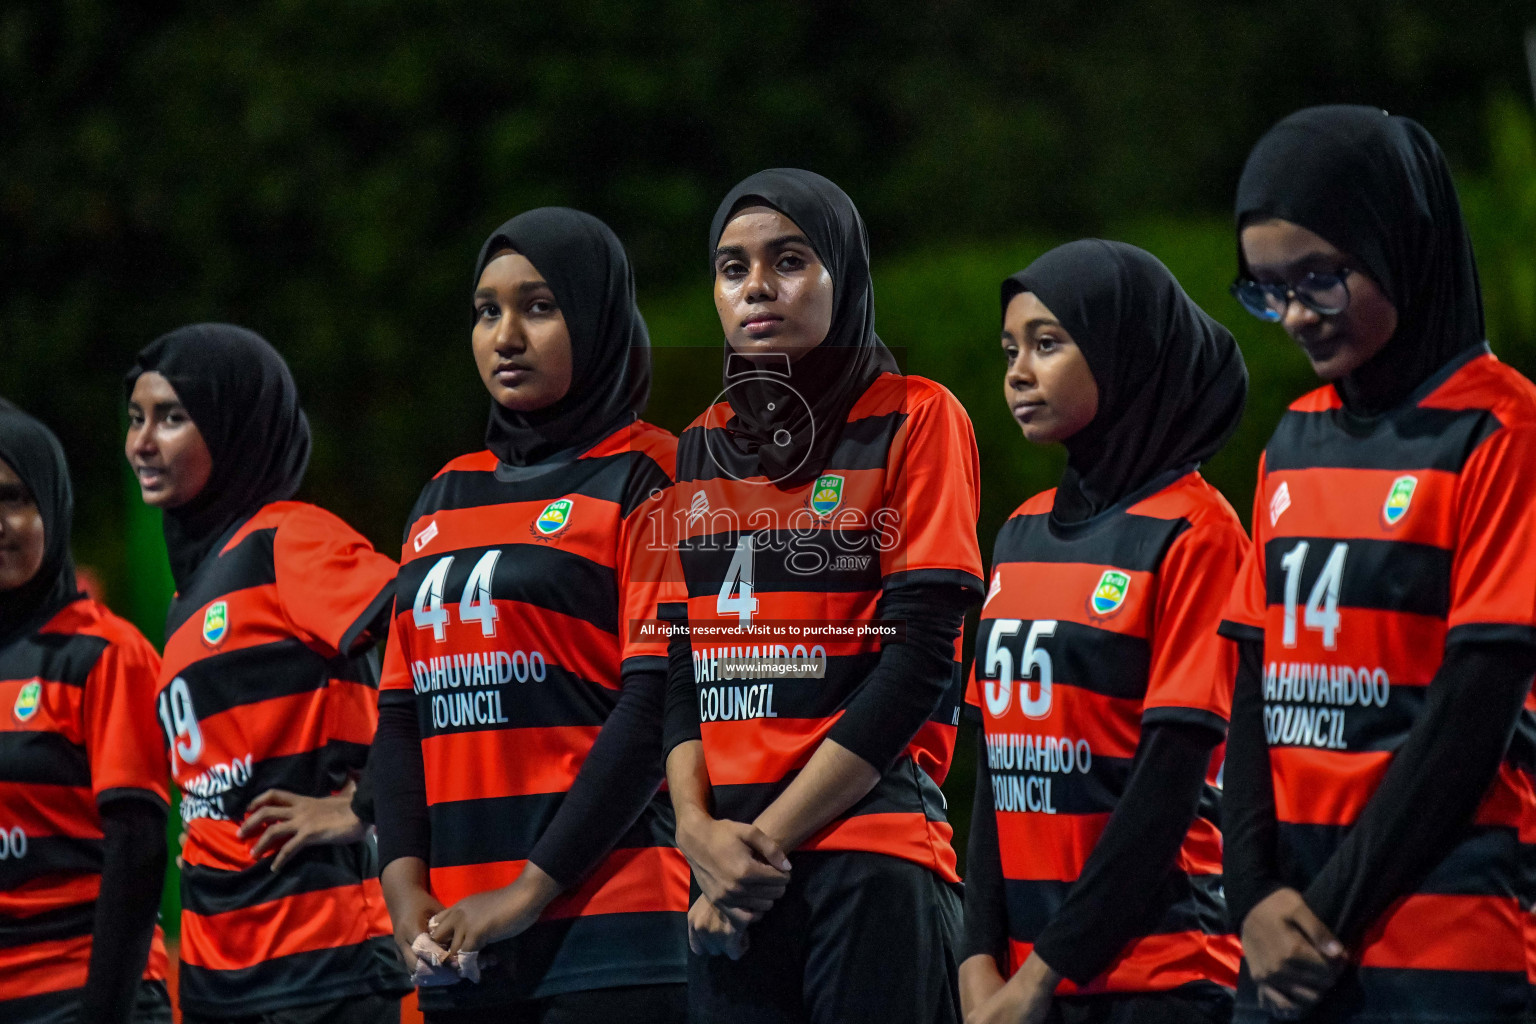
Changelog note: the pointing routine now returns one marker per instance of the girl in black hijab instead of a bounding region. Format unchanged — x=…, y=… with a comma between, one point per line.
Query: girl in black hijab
x=266, y=693
x=529, y=864
x=1381, y=879
x=1099, y=632
x=82, y=780
x=823, y=487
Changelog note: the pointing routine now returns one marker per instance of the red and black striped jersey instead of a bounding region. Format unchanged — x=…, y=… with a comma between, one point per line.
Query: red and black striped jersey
x=510, y=637
x=895, y=504
x=1375, y=543
x=258, y=690
x=1089, y=631
x=78, y=731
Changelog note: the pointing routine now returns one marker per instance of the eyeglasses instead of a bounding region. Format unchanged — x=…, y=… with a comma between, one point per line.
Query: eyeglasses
x=1324, y=293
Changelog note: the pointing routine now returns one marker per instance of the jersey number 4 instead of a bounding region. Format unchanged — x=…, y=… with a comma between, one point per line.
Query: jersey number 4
x=736, y=589
x=1322, y=610
x=998, y=691
x=475, y=604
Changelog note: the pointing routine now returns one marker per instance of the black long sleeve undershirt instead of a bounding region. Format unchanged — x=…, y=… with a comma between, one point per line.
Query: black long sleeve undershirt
x=986, y=898
x=617, y=780
x=680, y=719
x=133, y=863
x=1422, y=807
x=399, y=781
x=1249, y=872
x=621, y=774
x=900, y=693
x=1108, y=904
x=1431, y=790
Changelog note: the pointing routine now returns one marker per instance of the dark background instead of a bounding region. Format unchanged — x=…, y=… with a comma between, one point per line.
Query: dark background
x=325, y=173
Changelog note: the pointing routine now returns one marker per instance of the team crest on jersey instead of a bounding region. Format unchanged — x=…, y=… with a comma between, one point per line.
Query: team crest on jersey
x=27, y=701
x=1398, y=499
x=554, y=517
x=827, y=494
x=1109, y=595
x=215, y=623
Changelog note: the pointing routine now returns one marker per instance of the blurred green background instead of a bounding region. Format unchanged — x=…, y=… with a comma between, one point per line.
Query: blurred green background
x=325, y=173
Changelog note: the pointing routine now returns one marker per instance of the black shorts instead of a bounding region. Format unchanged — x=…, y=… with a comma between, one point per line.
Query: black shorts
x=858, y=938
x=152, y=1006
x=631, y=1004
x=373, y=1008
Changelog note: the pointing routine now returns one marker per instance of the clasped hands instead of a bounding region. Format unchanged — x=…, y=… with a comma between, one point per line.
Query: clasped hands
x=741, y=872
x=1293, y=957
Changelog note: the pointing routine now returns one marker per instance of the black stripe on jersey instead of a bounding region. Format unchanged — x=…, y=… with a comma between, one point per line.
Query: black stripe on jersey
x=1109, y=664
x=1131, y=543
x=1184, y=716
x=561, y=699
x=588, y=590
x=206, y=890
x=939, y=577
x=1096, y=791
x=1454, y=997
x=625, y=478
x=787, y=561
x=1488, y=861
x=903, y=789
x=1240, y=631
x=43, y=757
x=1387, y=575
x=318, y=772
x=49, y=926
x=574, y=954
x=66, y=658
x=1365, y=728
x=51, y=855
x=791, y=698
x=279, y=669
x=1413, y=438
x=299, y=979
x=490, y=830
x=248, y=564
x=707, y=453
x=1183, y=903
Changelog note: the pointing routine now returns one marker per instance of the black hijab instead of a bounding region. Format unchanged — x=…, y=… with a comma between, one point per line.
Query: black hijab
x=238, y=391
x=586, y=267
x=35, y=454
x=1171, y=380
x=1376, y=187
x=833, y=375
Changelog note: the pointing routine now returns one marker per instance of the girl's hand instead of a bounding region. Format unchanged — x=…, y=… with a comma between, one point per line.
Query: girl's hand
x=1293, y=957
x=1025, y=999
x=711, y=933
x=496, y=914
x=287, y=823
x=740, y=870
x=411, y=904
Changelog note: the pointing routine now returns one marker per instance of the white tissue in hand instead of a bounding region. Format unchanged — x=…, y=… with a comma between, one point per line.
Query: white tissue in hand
x=431, y=966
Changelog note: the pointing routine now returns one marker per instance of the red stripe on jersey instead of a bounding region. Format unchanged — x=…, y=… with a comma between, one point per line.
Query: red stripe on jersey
x=486, y=526
x=1408, y=646
x=504, y=762
x=589, y=652
x=50, y=892
x=62, y=964
x=1324, y=787
x=905, y=834
x=1156, y=963
x=1035, y=591
x=1329, y=503
x=59, y=708
x=39, y=809
x=628, y=881
x=763, y=748
x=1047, y=847
x=1449, y=933
x=295, y=724
x=254, y=620
x=323, y=919
x=1111, y=725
